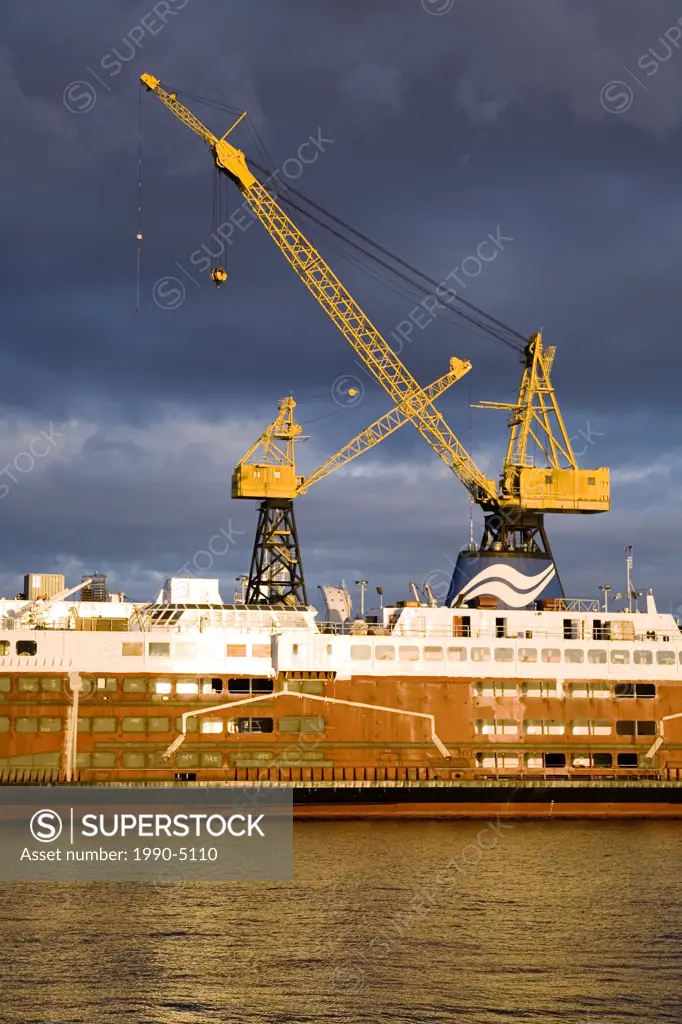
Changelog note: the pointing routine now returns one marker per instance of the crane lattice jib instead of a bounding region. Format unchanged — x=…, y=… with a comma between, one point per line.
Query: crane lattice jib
x=365, y=339
x=382, y=427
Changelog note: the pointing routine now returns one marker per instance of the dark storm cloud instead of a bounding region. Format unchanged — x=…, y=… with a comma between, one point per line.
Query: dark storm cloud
x=554, y=122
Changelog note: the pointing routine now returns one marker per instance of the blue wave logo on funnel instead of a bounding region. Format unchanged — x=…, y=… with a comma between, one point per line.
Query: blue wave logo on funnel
x=507, y=585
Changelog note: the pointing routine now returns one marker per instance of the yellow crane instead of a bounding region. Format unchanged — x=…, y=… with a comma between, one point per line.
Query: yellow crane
x=514, y=513
x=267, y=472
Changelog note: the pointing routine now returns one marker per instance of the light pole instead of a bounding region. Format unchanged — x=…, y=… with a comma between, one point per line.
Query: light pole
x=605, y=591
x=242, y=581
x=362, y=584
x=380, y=592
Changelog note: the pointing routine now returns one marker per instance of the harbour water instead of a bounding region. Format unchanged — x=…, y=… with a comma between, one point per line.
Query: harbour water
x=402, y=922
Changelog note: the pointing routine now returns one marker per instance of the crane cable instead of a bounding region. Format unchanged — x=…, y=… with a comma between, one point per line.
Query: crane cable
x=139, y=199
x=491, y=325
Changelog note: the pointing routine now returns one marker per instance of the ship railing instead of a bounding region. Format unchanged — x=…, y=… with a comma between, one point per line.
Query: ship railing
x=574, y=775
x=420, y=629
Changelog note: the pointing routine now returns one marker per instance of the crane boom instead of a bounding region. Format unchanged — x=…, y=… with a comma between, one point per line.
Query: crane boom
x=338, y=303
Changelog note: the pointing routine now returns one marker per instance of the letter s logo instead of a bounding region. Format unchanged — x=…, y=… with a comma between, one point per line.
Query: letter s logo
x=46, y=826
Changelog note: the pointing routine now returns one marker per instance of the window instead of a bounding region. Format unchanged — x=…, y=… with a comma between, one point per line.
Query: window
x=645, y=690
x=132, y=650
x=289, y=724
x=527, y=654
x=185, y=650
x=596, y=657
x=27, y=684
x=49, y=684
x=551, y=655
x=643, y=658
x=593, y=691
x=596, y=727
x=490, y=689
x=108, y=684
x=312, y=724
x=4, y=723
x=500, y=628
x=185, y=689
x=294, y=648
x=252, y=725
x=163, y=687
x=480, y=654
x=628, y=761
x=360, y=652
x=192, y=724
x=504, y=654
x=539, y=689
x=665, y=657
x=384, y=652
x=27, y=647
x=186, y=759
x=630, y=728
x=457, y=654
x=250, y=687
x=620, y=657
x=211, y=760
x=571, y=629
x=49, y=725
x=5, y=684
x=211, y=726
x=624, y=690
x=158, y=650
x=135, y=685
x=155, y=724
x=133, y=724
x=105, y=724
x=84, y=724
x=100, y=760
x=551, y=760
x=574, y=656
x=26, y=724
x=261, y=651
x=408, y=653
x=591, y=761
x=647, y=728
x=132, y=760
x=433, y=654
x=626, y=728
x=4, y=648
x=546, y=727
x=496, y=727
x=485, y=760
x=239, y=650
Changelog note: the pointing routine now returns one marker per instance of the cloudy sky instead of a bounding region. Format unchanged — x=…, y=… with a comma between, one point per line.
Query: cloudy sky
x=554, y=123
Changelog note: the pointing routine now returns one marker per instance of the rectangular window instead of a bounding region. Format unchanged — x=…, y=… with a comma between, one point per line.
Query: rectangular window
x=101, y=760
x=155, y=724
x=571, y=629
x=211, y=760
x=551, y=655
x=49, y=725
x=628, y=761
x=591, y=691
x=645, y=690
x=103, y=724
x=289, y=724
x=643, y=658
x=626, y=728
x=624, y=690
x=132, y=650
x=496, y=727
x=192, y=724
x=574, y=656
x=260, y=651
x=27, y=684
x=186, y=689
x=135, y=724
x=4, y=648
x=555, y=760
x=594, y=727
x=84, y=724
x=539, y=689
x=158, y=650
x=433, y=654
x=50, y=684
x=384, y=652
x=211, y=726
x=620, y=657
x=457, y=654
x=647, y=728
x=596, y=657
x=27, y=647
x=312, y=724
x=665, y=657
x=4, y=723
x=485, y=760
x=5, y=684
x=480, y=654
x=504, y=654
x=546, y=727
x=26, y=724
x=408, y=653
x=134, y=685
x=252, y=725
x=163, y=687
x=249, y=687
x=360, y=652
x=239, y=650
x=528, y=654
x=130, y=759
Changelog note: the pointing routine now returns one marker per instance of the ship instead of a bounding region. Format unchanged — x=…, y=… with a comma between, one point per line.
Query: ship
x=412, y=710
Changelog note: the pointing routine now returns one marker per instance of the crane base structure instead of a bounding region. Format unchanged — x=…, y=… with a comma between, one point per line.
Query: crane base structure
x=276, y=573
